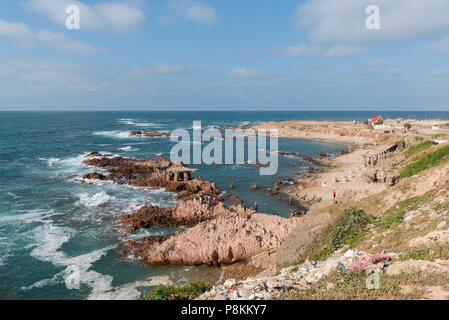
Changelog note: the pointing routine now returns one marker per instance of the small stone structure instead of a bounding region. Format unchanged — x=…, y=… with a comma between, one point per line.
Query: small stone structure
x=373, y=159
x=179, y=173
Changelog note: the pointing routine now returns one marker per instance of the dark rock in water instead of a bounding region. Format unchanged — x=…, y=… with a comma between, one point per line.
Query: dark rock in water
x=346, y=151
x=149, y=134
x=270, y=191
x=254, y=186
x=296, y=213
x=94, y=154
x=94, y=176
x=233, y=199
x=323, y=154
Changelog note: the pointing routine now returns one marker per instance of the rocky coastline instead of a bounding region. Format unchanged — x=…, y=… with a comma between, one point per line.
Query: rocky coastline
x=219, y=234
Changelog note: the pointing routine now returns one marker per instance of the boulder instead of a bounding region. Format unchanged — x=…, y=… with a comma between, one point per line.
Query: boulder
x=254, y=186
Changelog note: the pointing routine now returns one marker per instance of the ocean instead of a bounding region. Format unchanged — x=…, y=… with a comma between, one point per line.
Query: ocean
x=50, y=222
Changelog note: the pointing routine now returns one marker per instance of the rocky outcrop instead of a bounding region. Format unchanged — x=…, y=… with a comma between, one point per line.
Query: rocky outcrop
x=223, y=240
x=254, y=186
x=183, y=214
x=94, y=176
x=149, y=173
x=149, y=134
x=381, y=176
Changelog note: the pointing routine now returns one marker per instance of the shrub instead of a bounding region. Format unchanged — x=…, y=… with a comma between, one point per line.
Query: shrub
x=348, y=230
x=194, y=288
x=430, y=160
x=392, y=220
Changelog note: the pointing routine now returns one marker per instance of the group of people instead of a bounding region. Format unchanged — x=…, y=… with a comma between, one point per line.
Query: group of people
x=252, y=209
x=207, y=199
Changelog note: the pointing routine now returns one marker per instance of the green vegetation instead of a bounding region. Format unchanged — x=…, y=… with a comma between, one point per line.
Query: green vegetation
x=394, y=216
x=348, y=230
x=392, y=220
x=417, y=148
x=352, y=286
x=194, y=288
x=430, y=160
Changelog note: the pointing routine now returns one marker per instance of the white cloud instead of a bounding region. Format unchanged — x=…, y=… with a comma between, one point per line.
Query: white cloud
x=156, y=68
x=395, y=71
x=191, y=10
x=38, y=75
x=17, y=31
x=441, y=73
x=378, y=63
x=60, y=41
x=342, y=51
x=440, y=46
x=115, y=16
x=344, y=20
x=251, y=73
x=25, y=36
x=300, y=51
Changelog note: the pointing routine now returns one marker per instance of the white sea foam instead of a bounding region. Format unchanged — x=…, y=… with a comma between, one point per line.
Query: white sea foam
x=129, y=291
x=3, y=258
x=12, y=194
x=128, y=148
x=114, y=134
x=28, y=216
x=50, y=161
x=131, y=122
x=48, y=240
x=94, y=200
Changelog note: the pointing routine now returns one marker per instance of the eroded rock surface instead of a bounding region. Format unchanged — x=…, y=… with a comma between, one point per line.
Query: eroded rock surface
x=223, y=240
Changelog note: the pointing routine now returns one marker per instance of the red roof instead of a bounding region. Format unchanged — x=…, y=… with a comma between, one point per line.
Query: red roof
x=376, y=118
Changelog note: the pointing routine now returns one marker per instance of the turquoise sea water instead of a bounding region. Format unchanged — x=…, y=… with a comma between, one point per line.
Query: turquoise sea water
x=50, y=222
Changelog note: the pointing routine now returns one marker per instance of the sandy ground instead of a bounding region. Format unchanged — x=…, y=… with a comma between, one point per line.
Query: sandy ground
x=345, y=173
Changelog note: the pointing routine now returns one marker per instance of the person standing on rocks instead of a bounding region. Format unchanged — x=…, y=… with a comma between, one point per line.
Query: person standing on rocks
x=256, y=207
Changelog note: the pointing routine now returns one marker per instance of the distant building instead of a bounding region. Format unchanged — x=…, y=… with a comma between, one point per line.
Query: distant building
x=376, y=119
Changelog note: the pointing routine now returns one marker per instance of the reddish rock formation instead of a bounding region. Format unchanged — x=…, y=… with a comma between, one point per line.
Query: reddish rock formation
x=223, y=240
x=183, y=214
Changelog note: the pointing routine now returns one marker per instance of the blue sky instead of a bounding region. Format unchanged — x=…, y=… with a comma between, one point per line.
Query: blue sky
x=224, y=55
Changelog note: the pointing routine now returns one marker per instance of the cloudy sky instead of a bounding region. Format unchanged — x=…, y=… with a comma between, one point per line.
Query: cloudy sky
x=224, y=55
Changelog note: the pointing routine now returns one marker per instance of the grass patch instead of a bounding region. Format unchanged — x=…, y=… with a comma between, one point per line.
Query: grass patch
x=395, y=215
x=352, y=286
x=431, y=253
x=430, y=160
x=348, y=230
x=418, y=148
x=191, y=289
